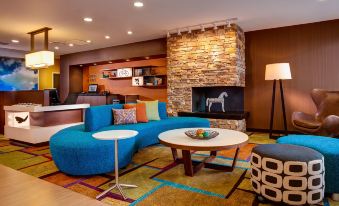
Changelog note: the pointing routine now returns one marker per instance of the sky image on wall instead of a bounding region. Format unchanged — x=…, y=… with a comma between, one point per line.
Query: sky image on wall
x=15, y=76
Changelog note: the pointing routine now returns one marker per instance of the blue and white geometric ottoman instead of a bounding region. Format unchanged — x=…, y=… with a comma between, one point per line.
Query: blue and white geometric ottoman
x=288, y=174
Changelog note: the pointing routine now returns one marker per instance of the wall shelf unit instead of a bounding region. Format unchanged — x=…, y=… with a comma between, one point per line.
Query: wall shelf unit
x=144, y=76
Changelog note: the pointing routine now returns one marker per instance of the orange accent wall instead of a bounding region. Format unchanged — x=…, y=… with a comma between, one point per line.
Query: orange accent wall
x=124, y=86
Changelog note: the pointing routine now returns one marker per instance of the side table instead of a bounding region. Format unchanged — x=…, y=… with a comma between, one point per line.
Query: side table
x=115, y=135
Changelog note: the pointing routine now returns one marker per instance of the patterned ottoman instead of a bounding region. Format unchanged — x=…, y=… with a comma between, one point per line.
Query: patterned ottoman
x=288, y=173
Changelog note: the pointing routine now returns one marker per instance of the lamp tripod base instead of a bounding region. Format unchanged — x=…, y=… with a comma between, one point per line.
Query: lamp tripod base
x=283, y=109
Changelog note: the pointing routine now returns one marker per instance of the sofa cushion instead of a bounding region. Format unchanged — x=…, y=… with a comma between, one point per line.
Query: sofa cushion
x=141, y=111
x=125, y=116
x=152, y=110
x=97, y=117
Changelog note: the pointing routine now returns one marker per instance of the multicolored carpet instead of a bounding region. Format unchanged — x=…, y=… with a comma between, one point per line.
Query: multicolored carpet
x=160, y=181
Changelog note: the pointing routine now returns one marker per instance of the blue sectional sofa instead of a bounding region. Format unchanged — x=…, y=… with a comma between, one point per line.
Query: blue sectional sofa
x=329, y=147
x=76, y=152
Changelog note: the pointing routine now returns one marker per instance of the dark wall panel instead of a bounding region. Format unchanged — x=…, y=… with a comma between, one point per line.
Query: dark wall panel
x=76, y=79
x=313, y=53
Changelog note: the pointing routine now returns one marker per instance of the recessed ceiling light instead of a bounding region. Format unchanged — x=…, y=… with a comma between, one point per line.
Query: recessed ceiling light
x=15, y=41
x=110, y=62
x=129, y=32
x=138, y=4
x=95, y=64
x=80, y=65
x=56, y=47
x=70, y=44
x=147, y=57
x=127, y=60
x=88, y=41
x=88, y=19
x=107, y=37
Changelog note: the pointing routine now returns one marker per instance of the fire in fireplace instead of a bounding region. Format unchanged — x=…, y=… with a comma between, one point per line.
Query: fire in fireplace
x=223, y=99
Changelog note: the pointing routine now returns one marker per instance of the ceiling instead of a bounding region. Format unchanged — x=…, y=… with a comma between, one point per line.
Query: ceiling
x=116, y=17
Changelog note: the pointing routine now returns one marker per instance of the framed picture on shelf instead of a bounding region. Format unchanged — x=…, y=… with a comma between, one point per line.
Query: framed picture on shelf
x=124, y=72
x=137, y=81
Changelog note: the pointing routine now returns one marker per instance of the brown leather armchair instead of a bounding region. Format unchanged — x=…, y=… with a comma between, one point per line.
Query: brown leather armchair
x=326, y=120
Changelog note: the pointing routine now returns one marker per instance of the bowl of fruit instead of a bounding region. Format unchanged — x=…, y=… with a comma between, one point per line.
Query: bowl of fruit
x=201, y=134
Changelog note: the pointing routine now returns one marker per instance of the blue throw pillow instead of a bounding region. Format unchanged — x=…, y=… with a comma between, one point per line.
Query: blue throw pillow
x=100, y=116
x=162, y=110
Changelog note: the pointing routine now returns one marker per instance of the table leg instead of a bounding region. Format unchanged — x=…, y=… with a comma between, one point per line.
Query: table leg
x=106, y=191
x=187, y=160
x=193, y=166
x=235, y=158
x=174, y=154
x=116, y=161
x=213, y=153
x=116, y=176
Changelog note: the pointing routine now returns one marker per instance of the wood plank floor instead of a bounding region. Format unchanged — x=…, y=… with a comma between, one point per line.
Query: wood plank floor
x=17, y=188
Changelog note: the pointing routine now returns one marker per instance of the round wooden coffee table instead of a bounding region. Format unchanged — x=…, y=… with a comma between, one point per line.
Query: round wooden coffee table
x=227, y=139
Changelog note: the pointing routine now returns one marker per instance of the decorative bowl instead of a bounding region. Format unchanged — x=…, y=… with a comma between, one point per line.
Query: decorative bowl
x=210, y=134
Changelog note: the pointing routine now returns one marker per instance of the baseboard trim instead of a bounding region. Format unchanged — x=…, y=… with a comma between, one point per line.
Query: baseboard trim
x=274, y=131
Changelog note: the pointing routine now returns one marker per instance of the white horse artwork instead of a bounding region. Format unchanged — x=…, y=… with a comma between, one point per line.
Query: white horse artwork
x=220, y=99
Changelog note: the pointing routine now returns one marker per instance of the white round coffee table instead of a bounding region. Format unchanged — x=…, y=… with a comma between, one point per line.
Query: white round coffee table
x=227, y=139
x=115, y=135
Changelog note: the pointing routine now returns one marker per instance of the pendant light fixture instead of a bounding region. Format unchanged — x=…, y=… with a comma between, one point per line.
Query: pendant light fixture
x=39, y=59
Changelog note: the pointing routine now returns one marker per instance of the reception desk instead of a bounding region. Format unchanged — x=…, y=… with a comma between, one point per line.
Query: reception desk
x=36, y=124
x=92, y=99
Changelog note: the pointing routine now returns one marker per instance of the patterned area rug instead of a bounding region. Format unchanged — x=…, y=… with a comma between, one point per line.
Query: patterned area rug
x=160, y=181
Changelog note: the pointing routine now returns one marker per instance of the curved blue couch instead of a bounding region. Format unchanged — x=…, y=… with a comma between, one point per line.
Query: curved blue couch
x=76, y=152
x=329, y=147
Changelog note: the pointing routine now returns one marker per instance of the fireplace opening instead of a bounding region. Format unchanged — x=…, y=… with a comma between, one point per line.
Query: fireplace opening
x=222, y=102
x=226, y=99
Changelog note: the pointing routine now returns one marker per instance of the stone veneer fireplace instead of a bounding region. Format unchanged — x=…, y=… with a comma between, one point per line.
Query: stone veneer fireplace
x=213, y=58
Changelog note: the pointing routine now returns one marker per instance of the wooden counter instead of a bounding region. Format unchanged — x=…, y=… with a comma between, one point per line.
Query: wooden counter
x=17, y=188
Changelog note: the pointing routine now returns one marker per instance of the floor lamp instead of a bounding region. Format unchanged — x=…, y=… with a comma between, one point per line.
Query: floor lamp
x=278, y=71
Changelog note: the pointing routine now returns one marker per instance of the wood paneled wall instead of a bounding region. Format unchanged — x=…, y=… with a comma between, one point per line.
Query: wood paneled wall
x=313, y=53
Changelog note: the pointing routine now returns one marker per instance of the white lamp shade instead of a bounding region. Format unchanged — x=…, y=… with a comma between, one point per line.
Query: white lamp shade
x=278, y=71
x=39, y=59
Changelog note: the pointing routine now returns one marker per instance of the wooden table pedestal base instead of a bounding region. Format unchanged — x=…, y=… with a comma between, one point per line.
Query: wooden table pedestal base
x=193, y=166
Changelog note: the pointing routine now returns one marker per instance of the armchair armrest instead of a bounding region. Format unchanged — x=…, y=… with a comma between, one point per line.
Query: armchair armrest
x=305, y=122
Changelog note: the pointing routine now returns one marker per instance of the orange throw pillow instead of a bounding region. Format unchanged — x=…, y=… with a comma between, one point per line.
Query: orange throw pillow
x=141, y=111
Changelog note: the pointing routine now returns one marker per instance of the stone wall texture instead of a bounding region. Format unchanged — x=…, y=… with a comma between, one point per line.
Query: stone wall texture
x=201, y=59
